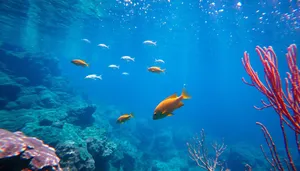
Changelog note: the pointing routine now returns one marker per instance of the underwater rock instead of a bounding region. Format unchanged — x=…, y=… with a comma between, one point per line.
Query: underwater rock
x=46, y=122
x=27, y=101
x=101, y=150
x=69, y=153
x=3, y=102
x=58, y=124
x=47, y=99
x=48, y=134
x=127, y=156
x=9, y=89
x=82, y=116
x=38, y=68
x=174, y=164
x=22, y=81
x=162, y=141
x=242, y=154
x=60, y=84
x=15, y=120
x=11, y=106
x=21, y=152
x=145, y=134
x=38, y=89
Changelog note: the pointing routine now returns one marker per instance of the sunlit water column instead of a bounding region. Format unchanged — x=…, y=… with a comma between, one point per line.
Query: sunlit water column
x=30, y=34
x=10, y=22
x=72, y=43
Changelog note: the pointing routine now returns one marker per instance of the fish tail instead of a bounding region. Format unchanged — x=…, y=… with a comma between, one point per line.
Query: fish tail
x=131, y=114
x=154, y=43
x=184, y=94
x=87, y=64
x=163, y=70
x=118, y=66
x=133, y=59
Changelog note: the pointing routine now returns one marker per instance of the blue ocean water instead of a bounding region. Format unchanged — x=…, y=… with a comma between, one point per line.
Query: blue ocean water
x=202, y=43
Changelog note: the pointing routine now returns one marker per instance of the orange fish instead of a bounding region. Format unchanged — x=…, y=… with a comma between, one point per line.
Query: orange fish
x=80, y=62
x=124, y=118
x=168, y=105
x=156, y=69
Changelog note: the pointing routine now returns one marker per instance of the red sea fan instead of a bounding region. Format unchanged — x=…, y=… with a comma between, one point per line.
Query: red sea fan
x=20, y=152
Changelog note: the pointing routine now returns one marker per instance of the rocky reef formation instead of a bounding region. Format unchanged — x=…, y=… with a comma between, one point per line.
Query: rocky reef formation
x=37, y=100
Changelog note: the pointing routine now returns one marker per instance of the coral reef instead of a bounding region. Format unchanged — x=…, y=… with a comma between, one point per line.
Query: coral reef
x=37, y=100
x=284, y=100
x=20, y=152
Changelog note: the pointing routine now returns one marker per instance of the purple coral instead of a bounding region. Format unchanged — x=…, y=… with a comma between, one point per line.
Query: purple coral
x=20, y=152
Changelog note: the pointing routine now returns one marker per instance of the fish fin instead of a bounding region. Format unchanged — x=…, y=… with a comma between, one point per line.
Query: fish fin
x=170, y=114
x=180, y=104
x=184, y=94
x=172, y=96
x=164, y=112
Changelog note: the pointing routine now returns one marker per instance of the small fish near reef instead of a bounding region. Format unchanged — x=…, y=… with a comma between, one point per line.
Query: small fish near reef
x=156, y=69
x=103, y=46
x=80, y=62
x=127, y=58
x=94, y=77
x=122, y=119
x=125, y=73
x=159, y=61
x=114, y=66
x=149, y=42
x=86, y=40
x=169, y=105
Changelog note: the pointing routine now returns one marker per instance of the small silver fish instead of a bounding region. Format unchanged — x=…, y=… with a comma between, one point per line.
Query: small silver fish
x=94, y=77
x=86, y=40
x=159, y=61
x=149, y=42
x=114, y=66
x=127, y=58
x=103, y=45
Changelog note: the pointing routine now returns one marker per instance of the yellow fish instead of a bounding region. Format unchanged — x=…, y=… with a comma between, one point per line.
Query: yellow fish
x=80, y=62
x=156, y=69
x=124, y=118
x=167, y=106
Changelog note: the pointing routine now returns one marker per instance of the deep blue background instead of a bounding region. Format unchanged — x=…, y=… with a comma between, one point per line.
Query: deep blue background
x=201, y=45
